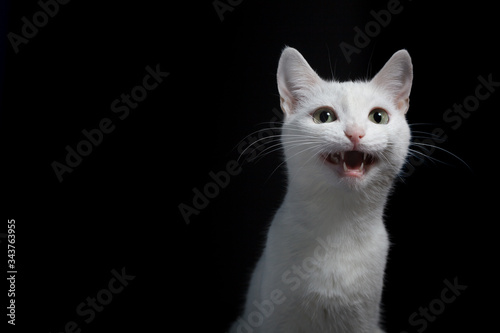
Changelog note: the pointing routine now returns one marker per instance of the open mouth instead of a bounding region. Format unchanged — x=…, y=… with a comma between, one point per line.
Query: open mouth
x=350, y=163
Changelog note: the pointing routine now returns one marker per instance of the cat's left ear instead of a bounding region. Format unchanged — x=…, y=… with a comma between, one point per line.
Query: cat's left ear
x=396, y=78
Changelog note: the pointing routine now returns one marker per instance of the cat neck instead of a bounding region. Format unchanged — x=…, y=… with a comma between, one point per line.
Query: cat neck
x=326, y=210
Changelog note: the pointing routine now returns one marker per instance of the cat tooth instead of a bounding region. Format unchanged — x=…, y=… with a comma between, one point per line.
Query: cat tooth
x=362, y=166
x=342, y=156
x=364, y=157
x=345, y=167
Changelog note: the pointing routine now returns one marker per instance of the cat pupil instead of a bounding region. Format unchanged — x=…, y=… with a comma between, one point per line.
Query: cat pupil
x=324, y=116
x=377, y=117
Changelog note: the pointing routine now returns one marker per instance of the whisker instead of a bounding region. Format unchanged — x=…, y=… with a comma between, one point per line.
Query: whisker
x=303, y=164
x=275, y=140
x=292, y=143
x=276, y=137
x=287, y=159
x=391, y=164
x=422, y=124
x=421, y=155
x=423, y=137
x=432, y=135
x=442, y=149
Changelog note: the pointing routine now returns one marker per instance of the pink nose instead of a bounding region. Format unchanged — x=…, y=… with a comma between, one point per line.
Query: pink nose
x=355, y=134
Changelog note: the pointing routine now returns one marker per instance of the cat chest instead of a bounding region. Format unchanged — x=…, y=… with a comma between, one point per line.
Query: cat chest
x=331, y=269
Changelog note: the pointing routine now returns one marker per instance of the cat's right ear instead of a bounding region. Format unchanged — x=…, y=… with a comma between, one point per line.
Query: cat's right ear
x=396, y=78
x=295, y=79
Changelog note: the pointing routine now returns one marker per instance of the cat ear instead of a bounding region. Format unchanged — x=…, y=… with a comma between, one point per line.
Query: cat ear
x=295, y=79
x=396, y=78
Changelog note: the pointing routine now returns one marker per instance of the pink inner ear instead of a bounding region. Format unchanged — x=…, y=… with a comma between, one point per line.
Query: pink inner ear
x=282, y=101
x=404, y=105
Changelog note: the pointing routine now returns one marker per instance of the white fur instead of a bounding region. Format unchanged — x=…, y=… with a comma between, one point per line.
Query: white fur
x=322, y=268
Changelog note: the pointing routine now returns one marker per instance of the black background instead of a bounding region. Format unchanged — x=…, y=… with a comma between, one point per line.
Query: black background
x=119, y=207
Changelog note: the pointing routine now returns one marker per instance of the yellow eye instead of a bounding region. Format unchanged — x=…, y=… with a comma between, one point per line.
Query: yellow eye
x=324, y=115
x=379, y=116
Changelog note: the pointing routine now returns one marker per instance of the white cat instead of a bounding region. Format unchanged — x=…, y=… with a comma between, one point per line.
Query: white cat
x=322, y=268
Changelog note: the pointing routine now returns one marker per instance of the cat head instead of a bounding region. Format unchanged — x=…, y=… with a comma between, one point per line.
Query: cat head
x=352, y=135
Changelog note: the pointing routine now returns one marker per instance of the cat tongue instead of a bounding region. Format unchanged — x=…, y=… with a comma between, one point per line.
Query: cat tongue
x=353, y=159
